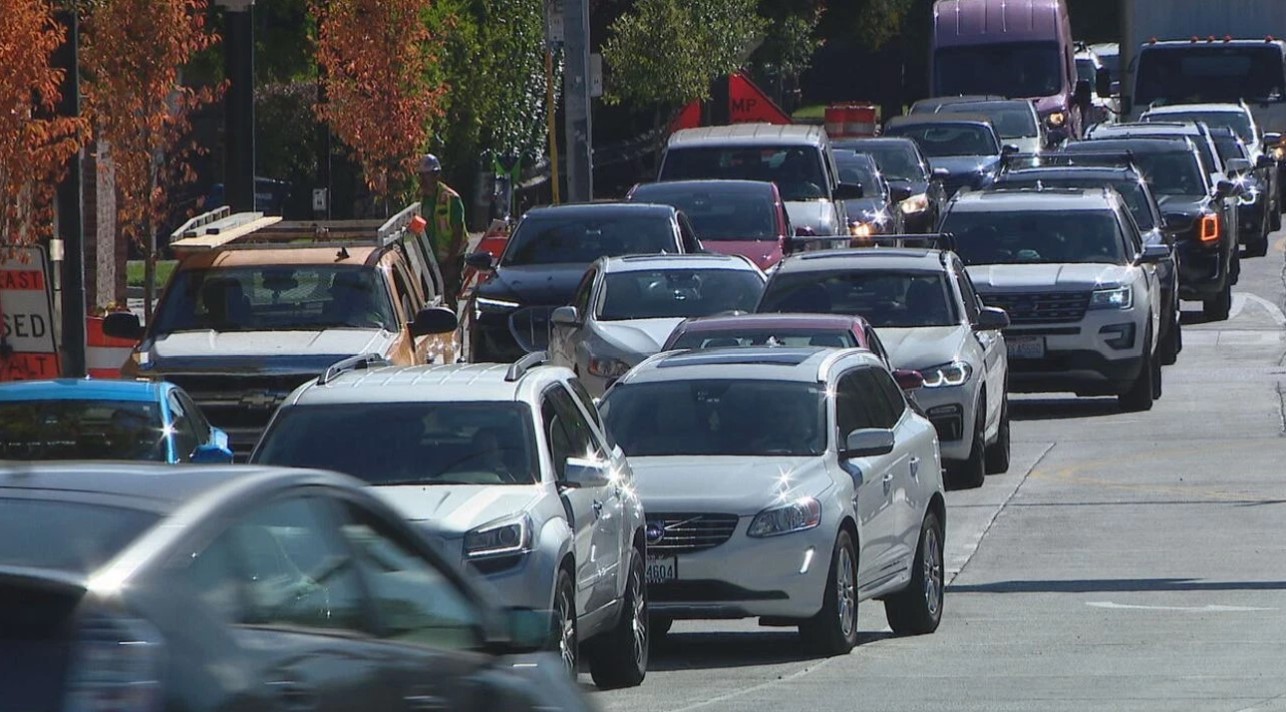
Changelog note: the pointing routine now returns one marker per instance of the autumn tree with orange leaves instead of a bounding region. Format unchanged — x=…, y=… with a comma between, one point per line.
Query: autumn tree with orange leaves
x=383, y=92
x=133, y=53
x=35, y=145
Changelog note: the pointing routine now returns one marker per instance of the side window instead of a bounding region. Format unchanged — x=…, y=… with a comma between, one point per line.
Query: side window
x=893, y=395
x=1133, y=241
x=687, y=235
x=185, y=430
x=583, y=293
x=199, y=423
x=587, y=401
x=414, y=601
x=556, y=436
x=852, y=405
x=579, y=433
x=972, y=303
x=877, y=346
x=407, y=298
x=419, y=269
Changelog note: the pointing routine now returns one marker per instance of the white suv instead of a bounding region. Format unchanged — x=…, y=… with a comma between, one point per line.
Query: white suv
x=929, y=319
x=510, y=469
x=785, y=484
x=1080, y=287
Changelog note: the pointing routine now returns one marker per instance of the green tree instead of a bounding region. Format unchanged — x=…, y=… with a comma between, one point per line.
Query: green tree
x=664, y=53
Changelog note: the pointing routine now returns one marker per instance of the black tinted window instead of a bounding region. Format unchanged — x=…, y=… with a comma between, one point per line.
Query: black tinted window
x=896, y=162
x=82, y=430
x=1029, y=237
x=68, y=536
x=888, y=299
x=936, y=140
x=718, y=213
x=797, y=170
x=654, y=294
x=581, y=239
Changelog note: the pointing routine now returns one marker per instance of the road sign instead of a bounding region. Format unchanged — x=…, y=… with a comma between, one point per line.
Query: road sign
x=595, y=75
x=27, y=347
x=557, y=29
x=747, y=103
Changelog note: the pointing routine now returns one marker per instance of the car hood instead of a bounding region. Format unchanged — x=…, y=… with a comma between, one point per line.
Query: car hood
x=534, y=284
x=452, y=510
x=816, y=215
x=248, y=348
x=923, y=346
x=764, y=253
x=736, y=485
x=1052, y=277
x=963, y=165
x=642, y=337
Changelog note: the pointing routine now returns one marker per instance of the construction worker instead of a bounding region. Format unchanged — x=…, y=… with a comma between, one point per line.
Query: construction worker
x=442, y=207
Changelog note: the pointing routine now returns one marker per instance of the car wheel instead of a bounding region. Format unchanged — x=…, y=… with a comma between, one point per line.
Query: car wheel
x=1156, y=378
x=1218, y=307
x=1258, y=247
x=971, y=473
x=1140, y=395
x=658, y=628
x=833, y=631
x=1171, y=343
x=618, y=658
x=917, y=609
x=998, y=452
x=564, y=621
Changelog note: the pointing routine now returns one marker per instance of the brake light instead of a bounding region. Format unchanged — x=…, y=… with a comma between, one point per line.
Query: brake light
x=115, y=667
x=1209, y=228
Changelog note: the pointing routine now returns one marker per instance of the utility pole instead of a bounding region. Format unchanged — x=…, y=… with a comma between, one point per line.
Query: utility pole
x=322, y=193
x=239, y=134
x=554, y=38
x=578, y=122
x=71, y=201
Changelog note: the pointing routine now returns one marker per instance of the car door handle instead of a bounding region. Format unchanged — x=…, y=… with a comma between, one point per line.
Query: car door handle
x=295, y=695
x=915, y=467
x=598, y=508
x=888, y=482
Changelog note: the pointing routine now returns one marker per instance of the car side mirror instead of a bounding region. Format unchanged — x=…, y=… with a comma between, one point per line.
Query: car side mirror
x=582, y=472
x=1271, y=139
x=215, y=452
x=1225, y=188
x=1237, y=166
x=849, y=191
x=1009, y=149
x=868, y=442
x=991, y=319
x=941, y=173
x=434, y=320
x=1103, y=83
x=1264, y=160
x=908, y=380
x=900, y=192
x=123, y=325
x=481, y=261
x=1082, y=95
x=565, y=316
x=1152, y=254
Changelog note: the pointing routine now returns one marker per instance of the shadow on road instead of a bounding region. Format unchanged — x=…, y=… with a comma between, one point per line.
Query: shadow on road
x=702, y=651
x=1061, y=408
x=1193, y=318
x=1116, y=585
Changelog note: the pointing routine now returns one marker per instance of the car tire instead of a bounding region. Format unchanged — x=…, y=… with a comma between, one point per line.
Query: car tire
x=1218, y=307
x=1258, y=247
x=1140, y=395
x=833, y=631
x=1234, y=270
x=917, y=609
x=658, y=628
x=1172, y=342
x=1275, y=218
x=971, y=473
x=1157, y=378
x=998, y=452
x=619, y=657
x=565, y=640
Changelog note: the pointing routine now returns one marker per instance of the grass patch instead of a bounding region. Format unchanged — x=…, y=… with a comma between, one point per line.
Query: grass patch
x=134, y=272
x=810, y=114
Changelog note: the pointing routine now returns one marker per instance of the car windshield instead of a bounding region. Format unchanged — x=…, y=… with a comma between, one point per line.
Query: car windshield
x=66, y=536
x=797, y=170
x=717, y=417
x=896, y=162
x=667, y=293
x=1167, y=172
x=1209, y=74
x=1010, y=121
x=1036, y=237
x=579, y=239
x=1235, y=120
x=787, y=336
x=1010, y=69
x=719, y=214
x=861, y=170
x=884, y=298
x=942, y=139
x=1131, y=190
x=82, y=430
x=276, y=298
x=423, y=443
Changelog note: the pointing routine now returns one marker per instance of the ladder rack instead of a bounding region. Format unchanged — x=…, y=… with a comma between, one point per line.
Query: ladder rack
x=221, y=229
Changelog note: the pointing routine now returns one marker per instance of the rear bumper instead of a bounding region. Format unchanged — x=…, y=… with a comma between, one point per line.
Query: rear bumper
x=1203, y=272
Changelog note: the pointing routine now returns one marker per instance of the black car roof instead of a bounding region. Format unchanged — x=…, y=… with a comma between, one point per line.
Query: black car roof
x=1136, y=144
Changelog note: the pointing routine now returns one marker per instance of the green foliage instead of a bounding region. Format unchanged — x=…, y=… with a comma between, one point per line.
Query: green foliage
x=666, y=52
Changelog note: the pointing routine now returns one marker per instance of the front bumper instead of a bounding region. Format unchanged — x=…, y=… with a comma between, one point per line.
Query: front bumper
x=953, y=412
x=777, y=577
x=1099, y=355
x=523, y=580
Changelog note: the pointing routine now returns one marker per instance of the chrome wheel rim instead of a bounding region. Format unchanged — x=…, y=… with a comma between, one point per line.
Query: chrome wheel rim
x=638, y=622
x=845, y=595
x=566, y=633
x=932, y=571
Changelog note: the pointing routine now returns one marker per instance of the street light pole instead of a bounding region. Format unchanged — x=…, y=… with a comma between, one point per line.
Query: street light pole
x=578, y=123
x=71, y=228
x=239, y=134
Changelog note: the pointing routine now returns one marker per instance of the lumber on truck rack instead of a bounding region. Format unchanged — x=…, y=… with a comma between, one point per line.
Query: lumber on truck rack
x=222, y=229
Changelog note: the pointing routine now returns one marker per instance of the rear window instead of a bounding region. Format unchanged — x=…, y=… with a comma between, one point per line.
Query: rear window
x=719, y=213
x=797, y=170
x=1210, y=74
x=938, y=140
x=659, y=293
x=82, y=430
x=580, y=239
x=1036, y=236
x=724, y=338
x=66, y=536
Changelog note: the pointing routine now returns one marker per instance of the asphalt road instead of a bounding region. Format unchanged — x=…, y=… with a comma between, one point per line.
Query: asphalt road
x=1126, y=562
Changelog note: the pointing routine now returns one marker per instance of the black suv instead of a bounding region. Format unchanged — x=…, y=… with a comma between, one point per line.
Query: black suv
x=544, y=259
x=915, y=187
x=1200, y=211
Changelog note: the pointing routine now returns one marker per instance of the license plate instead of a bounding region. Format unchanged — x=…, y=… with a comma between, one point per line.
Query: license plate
x=662, y=569
x=1026, y=346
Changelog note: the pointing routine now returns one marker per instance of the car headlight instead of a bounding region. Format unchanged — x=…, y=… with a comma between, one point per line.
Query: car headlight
x=917, y=203
x=1115, y=298
x=608, y=367
x=800, y=515
x=509, y=536
x=486, y=305
x=948, y=374
x=1056, y=119
x=861, y=229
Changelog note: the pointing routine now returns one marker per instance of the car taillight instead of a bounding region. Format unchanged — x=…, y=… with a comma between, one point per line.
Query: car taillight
x=115, y=667
x=1208, y=229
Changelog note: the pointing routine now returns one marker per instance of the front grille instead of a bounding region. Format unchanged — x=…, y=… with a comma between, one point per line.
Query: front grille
x=240, y=405
x=1041, y=307
x=530, y=327
x=688, y=533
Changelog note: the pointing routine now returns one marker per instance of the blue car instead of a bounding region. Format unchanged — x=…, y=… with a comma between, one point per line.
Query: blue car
x=70, y=419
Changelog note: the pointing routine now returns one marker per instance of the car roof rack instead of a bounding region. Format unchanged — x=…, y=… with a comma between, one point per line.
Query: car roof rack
x=520, y=367
x=222, y=229
x=352, y=363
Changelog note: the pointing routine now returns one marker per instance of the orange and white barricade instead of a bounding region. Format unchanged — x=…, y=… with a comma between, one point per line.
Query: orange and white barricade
x=104, y=355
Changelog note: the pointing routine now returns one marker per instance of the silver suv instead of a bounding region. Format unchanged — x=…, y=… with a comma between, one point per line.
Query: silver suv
x=510, y=469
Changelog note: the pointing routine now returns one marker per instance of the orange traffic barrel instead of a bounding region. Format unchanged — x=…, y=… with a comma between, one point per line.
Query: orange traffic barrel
x=104, y=355
x=860, y=120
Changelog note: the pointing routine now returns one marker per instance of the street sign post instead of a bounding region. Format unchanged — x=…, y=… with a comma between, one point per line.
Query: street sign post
x=27, y=347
